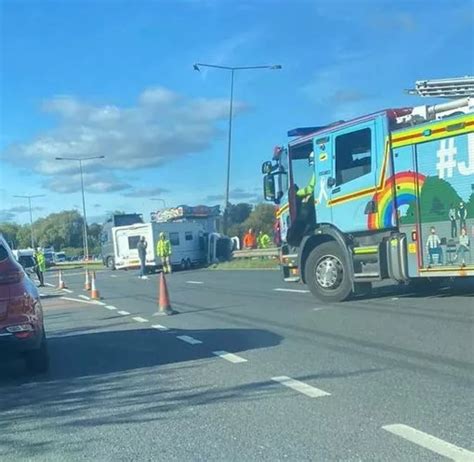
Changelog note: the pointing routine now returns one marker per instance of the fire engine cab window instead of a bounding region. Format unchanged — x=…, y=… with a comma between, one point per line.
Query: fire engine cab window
x=353, y=155
x=174, y=238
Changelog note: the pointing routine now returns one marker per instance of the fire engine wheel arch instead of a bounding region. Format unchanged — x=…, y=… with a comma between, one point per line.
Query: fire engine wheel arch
x=328, y=273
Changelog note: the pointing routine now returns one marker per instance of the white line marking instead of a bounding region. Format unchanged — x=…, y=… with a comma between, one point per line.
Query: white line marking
x=430, y=442
x=123, y=313
x=229, y=357
x=318, y=309
x=78, y=300
x=188, y=339
x=99, y=303
x=113, y=276
x=304, y=388
x=43, y=295
x=139, y=319
x=49, y=285
x=85, y=297
x=68, y=291
x=394, y=298
x=159, y=327
x=110, y=307
x=194, y=282
x=298, y=291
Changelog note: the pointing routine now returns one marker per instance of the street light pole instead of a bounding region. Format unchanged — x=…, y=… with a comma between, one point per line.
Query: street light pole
x=232, y=70
x=31, y=215
x=158, y=199
x=84, y=216
x=86, y=239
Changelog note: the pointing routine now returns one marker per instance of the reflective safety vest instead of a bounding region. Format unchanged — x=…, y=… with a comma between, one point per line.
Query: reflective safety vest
x=40, y=261
x=308, y=190
x=163, y=248
x=264, y=241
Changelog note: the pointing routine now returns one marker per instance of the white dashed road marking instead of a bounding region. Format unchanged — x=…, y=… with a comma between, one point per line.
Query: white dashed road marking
x=78, y=300
x=304, y=388
x=113, y=276
x=443, y=448
x=139, y=319
x=159, y=327
x=298, y=291
x=194, y=282
x=48, y=284
x=99, y=303
x=110, y=307
x=123, y=313
x=85, y=297
x=187, y=339
x=68, y=291
x=229, y=357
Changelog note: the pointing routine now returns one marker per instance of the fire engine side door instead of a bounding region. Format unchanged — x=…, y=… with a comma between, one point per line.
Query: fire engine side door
x=354, y=164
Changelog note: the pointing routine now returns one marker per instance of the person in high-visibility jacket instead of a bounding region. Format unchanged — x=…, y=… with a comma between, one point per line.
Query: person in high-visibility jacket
x=40, y=265
x=263, y=240
x=307, y=192
x=163, y=249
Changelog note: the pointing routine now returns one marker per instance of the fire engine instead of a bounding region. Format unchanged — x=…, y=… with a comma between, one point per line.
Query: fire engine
x=389, y=195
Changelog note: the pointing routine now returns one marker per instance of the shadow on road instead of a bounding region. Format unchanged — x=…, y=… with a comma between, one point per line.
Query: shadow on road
x=119, y=377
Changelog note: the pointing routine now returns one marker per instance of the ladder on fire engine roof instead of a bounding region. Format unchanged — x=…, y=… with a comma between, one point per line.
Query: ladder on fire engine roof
x=458, y=87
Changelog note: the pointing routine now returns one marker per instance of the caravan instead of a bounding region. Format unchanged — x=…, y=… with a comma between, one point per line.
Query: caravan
x=189, y=243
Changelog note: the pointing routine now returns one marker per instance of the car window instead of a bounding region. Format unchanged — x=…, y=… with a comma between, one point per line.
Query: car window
x=3, y=253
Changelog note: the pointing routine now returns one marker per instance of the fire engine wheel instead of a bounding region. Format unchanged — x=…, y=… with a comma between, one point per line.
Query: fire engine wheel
x=327, y=273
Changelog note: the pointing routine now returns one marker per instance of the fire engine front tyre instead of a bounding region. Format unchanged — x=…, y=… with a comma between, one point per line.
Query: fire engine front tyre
x=327, y=273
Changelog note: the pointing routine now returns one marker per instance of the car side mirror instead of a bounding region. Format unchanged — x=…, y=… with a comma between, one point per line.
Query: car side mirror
x=269, y=187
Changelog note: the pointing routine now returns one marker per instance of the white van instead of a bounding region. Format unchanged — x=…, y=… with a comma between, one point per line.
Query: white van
x=189, y=244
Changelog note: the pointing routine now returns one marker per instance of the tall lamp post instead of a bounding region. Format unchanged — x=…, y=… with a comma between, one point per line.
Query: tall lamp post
x=80, y=160
x=31, y=215
x=232, y=70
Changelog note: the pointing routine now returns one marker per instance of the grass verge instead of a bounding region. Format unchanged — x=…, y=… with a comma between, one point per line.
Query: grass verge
x=247, y=263
x=73, y=266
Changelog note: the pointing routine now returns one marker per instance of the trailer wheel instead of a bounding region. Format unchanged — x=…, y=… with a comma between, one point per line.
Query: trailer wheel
x=189, y=265
x=110, y=263
x=327, y=273
x=183, y=264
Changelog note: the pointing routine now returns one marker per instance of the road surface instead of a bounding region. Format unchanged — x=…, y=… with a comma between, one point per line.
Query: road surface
x=249, y=369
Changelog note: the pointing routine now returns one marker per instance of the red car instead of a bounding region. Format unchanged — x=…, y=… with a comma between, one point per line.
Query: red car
x=21, y=315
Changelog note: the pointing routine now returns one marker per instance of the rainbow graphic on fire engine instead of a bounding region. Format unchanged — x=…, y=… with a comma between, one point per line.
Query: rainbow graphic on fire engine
x=405, y=184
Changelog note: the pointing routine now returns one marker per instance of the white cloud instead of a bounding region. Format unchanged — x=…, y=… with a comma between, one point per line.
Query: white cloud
x=161, y=127
x=146, y=192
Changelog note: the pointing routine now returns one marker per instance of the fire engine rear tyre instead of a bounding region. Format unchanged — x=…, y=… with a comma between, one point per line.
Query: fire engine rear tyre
x=189, y=265
x=327, y=273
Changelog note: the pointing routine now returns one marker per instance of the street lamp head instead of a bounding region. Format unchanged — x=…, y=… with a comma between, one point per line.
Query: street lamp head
x=276, y=66
x=196, y=68
x=59, y=158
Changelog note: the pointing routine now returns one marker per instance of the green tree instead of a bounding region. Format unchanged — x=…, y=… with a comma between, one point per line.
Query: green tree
x=10, y=233
x=436, y=197
x=470, y=206
x=261, y=218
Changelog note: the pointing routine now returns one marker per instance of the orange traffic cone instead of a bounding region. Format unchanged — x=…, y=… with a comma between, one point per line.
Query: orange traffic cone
x=87, y=284
x=164, y=305
x=61, y=284
x=94, y=292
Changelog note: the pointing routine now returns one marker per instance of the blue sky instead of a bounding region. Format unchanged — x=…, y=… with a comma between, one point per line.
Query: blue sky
x=115, y=78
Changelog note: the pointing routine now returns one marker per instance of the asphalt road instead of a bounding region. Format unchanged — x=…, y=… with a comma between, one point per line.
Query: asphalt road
x=248, y=369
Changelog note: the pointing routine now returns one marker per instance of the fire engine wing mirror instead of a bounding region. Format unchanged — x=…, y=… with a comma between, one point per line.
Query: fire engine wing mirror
x=269, y=187
x=266, y=167
x=331, y=181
